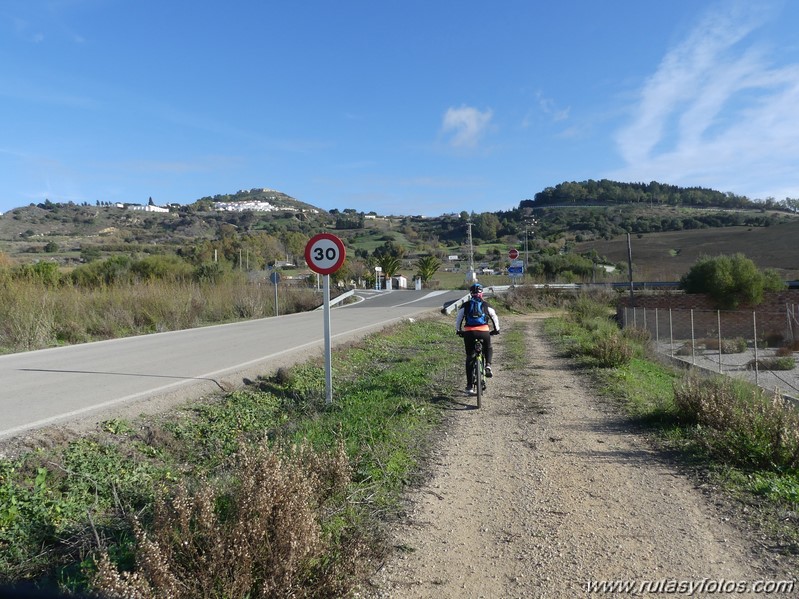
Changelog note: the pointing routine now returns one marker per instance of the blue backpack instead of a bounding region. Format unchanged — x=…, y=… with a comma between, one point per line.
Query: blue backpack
x=475, y=313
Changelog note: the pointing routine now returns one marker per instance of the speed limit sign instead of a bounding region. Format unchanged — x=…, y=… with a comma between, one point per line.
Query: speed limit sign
x=325, y=253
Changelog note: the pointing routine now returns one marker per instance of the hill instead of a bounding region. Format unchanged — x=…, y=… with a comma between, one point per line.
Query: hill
x=670, y=228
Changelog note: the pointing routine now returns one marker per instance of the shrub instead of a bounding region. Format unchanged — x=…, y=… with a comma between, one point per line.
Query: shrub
x=586, y=308
x=740, y=422
x=730, y=280
x=775, y=363
x=255, y=533
x=728, y=346
x=46, y=273
x=611, y=351
x=167, y=268
x=637, y=335
x=112, y=271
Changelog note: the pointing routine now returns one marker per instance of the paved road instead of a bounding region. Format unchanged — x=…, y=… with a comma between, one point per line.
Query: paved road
x=56, y=385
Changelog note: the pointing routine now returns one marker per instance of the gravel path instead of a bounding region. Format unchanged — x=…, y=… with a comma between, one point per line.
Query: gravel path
x=545, y=490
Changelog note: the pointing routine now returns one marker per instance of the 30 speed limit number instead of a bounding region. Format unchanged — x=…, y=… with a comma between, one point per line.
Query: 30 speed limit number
x=325, y=253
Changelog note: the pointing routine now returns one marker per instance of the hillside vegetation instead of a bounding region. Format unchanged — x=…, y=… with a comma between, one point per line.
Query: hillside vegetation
x=569, y=232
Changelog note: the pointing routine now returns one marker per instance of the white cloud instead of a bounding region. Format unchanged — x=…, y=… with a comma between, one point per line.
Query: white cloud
x=717, y=112
x=466, y=125
x=548, y=107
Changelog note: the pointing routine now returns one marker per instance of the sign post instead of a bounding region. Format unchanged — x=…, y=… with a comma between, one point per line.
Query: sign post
x=274, y=276
x=516, y=269
x=324, y=255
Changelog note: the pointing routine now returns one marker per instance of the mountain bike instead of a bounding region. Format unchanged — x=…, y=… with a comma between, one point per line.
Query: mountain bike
x=478, y=371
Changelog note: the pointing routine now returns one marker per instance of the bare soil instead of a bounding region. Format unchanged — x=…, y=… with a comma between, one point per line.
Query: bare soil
x=548, y=488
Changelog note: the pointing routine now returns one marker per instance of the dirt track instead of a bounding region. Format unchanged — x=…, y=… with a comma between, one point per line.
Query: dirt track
x=546, y=490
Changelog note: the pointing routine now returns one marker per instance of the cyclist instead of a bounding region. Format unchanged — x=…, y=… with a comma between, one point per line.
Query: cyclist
x=472, y=323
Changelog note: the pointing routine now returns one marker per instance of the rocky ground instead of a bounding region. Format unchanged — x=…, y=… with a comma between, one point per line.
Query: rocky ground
x=547, y=491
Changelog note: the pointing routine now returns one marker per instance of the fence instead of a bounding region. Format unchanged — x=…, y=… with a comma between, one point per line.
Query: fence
x=760, y=346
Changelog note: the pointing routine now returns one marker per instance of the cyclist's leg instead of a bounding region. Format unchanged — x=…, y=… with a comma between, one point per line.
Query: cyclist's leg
x=485, y=337
x=468, y=342
x=488, y=350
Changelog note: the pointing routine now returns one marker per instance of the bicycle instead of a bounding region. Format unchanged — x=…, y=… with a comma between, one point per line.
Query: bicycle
x=478, y=371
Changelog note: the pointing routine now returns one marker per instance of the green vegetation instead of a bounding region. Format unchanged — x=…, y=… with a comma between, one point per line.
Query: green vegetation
x=774, y=363
x=613, y=192
x=561, y=232
x=738, y=435
x=264, y=490
x=730, y=280
x=426, y=268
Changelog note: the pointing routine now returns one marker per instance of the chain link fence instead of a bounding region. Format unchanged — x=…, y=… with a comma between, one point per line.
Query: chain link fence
x=759, y=346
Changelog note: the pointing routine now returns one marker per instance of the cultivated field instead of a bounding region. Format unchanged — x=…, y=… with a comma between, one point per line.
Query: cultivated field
x=667, y=256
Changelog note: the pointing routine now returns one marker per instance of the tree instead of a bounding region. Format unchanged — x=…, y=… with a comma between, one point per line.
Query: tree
x=390, y=265
x=730, y=280
x=486, y=226
x=389, y=249
x=426, y=267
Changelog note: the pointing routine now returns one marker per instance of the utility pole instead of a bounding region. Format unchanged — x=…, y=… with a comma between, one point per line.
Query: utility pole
x=471, y=276
x=630, y=269
x=528, y=223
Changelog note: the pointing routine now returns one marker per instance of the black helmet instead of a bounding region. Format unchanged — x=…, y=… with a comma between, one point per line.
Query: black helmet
x=476, y=289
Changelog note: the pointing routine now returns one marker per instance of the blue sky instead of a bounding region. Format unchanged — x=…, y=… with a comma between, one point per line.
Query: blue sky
x=403, y=107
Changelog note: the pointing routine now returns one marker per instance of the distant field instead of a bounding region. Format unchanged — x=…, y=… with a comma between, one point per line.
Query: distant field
x=667, y=256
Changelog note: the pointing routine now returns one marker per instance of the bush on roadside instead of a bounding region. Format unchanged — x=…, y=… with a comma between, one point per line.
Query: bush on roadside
x=740, y=422
x=638, y=335
x=611, y=351
x=588, y=308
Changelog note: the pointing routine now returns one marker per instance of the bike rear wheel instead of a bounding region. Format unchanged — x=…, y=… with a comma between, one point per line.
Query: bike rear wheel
x=478, y=380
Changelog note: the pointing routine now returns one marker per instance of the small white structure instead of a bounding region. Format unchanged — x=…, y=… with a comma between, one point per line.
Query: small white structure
x=147, y=208
x=399, y=282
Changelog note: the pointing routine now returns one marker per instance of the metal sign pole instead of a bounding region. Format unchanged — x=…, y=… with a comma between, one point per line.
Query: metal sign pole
x=324, y=254
x=328, y=356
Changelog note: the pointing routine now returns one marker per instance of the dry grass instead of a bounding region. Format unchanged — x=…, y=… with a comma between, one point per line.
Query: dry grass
x=258, y=532
x=34, y=315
